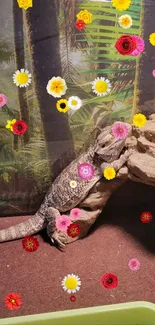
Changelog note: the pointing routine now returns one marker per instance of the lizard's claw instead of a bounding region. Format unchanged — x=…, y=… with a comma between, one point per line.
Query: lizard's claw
x=59, y=238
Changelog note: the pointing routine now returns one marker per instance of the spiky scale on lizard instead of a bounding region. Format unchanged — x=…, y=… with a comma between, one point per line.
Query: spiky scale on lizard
x=61, y=197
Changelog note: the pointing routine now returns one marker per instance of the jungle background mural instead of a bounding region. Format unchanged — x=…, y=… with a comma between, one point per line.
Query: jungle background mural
x=45, y=41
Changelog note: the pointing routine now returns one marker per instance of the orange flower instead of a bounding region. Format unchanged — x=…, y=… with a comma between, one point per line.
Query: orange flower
x=146, y=217
x=30, y=243
x=73, y=230
x=13, y=301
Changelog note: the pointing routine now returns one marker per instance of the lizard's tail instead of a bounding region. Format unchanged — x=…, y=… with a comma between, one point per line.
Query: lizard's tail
x=26, y=228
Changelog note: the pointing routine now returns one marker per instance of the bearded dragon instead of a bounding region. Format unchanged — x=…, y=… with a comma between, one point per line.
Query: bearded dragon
x=61, y=197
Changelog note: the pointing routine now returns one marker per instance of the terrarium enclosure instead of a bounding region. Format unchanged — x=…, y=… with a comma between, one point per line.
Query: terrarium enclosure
x=71, y=69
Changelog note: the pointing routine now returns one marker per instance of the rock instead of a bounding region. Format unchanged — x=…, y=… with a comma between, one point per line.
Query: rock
x=149, y=130
x=144, y=145
x=142, y=166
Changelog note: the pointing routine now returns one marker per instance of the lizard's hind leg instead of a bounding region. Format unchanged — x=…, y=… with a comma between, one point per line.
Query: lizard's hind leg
x=55, y=236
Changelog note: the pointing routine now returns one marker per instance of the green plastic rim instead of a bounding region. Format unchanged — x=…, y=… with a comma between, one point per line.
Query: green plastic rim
x=133, y=313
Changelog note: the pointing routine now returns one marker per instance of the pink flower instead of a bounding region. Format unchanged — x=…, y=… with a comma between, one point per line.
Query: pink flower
x=3, y=100
x=153, y=72
x=134, y=264
x=75, y=213
x=120, y=131
x=62, y=222
x=140, y=46
x=86, y=171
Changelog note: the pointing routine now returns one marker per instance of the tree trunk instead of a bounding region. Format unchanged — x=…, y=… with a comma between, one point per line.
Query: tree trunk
x=20, y=63
x=147, y=65
x=43, y=37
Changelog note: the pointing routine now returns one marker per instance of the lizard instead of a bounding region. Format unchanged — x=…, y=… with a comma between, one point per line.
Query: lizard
x=61, y=197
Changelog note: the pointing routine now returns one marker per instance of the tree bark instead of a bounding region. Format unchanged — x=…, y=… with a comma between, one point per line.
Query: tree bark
x=146, y=80
x=20, y=63
x=43, y=37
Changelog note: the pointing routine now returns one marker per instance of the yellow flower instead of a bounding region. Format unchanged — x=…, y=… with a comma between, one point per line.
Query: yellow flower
x=101, y=86
x=139, y=120
x=71, y=283
x=109, y=173
x=121, y=4
x=85, y=15
x=56, y=87
x=125, y=21
x=22, y=78
x=152, y=39
x=25, y=4
x=62, y=105
x=9, y=124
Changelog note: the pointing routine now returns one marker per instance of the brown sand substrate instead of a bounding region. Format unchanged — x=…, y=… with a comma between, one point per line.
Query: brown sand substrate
x=117, y=237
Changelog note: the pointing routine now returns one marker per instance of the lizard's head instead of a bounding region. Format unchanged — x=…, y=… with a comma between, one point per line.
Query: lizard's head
x=107, y=146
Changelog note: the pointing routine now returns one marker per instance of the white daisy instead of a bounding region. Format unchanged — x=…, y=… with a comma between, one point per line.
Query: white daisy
x=22, y=78
x=56, y=87
x=74, y=103
x=73, y=184
x=101, y=86
x=71, y=283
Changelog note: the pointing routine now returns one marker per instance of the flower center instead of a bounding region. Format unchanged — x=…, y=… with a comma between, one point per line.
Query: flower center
x=126, y=21
x=19, y=127
x=1, y=99
x=24, y=2
x=62, y=105
x=121, y=2
x=101, y=86
x=109, y=281
x=57, y=86
x=13, y=301
x=139, y=120
x=146, y=217
x=74, y=230
x=74, y=102
x=71, y=283
x=30, y=244
x=109, y=173
x=125, y=45
x=120, y=130
x=134, y=264
x=22, y=78
x=85, y=171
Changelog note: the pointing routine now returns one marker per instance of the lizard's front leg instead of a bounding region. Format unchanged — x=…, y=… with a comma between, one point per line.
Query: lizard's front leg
x=54, y=235
x=117, y=164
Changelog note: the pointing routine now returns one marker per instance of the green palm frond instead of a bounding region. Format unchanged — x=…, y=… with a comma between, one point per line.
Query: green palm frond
x=101, y=55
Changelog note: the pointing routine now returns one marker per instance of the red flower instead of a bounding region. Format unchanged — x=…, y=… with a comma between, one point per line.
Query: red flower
x=80, y=24
x=109, y=281
x=13, y=301
x=73, y=230
x=146, y=217
x=19, y=127
x=72, y=298
x=30, y=243
x=126, y=44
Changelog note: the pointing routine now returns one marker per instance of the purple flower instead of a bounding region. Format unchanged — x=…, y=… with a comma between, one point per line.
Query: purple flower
x=86, y=171
x=153, y=73
x=140, y=46
x=120, y=130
